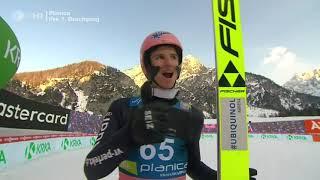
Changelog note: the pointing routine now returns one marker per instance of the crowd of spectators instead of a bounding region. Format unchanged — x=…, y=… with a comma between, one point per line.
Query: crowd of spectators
x=84, y=122
x=89, y=123
x=280, y=127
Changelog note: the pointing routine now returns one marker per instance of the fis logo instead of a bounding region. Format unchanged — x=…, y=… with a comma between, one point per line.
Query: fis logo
x=231, y=49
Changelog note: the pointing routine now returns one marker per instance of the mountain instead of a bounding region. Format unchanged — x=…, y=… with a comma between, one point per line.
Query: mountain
x=197, y=86
x=86, y=86
x=190, y=66
x=307, y=82
x=73, y=71
x=136, y=74
x=195, y=83
x=264, y=93
x=90, y=86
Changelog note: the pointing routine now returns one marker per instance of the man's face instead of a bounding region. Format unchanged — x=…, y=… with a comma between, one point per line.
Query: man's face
x=167, y=59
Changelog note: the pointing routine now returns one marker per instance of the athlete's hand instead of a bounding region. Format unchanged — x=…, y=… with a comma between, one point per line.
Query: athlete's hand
x=149, y=123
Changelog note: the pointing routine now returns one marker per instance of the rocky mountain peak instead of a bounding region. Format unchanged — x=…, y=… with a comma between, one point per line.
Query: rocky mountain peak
x=136, y=74
x=92, y=87
x=190, y=66
x=305, y=76
x=78, y=71
x=306, y=82
x=86, y=86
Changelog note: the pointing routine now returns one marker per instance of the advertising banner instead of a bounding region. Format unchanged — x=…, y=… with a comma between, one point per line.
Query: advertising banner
x=12, y=154
x=316, y=137
x=282, y=137
x=312, y=126
x=18, y=112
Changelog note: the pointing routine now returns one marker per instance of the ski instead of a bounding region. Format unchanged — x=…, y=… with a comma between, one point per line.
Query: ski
x=233, y=151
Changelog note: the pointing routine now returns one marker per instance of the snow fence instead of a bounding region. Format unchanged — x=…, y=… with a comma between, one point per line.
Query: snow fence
x=272, y=137
x=16, y=150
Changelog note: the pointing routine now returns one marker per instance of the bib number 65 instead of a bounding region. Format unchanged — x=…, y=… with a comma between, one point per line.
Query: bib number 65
x=164, y=146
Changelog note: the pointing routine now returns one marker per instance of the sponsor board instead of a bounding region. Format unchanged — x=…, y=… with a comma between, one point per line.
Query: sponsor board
x=18, y=112
x=207, y=136
x=316, y=137
x=282, y=137
x=3, y=160
x=12, y=139
x=273, y=137
x=312, y=126
x=71, y=143
x=35, y=149
x=19, y=152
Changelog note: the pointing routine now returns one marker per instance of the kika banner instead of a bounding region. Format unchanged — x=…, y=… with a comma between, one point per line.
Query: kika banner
x=18, y=112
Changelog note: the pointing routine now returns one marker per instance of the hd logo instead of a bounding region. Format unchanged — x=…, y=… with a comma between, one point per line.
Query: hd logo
x=231, y=77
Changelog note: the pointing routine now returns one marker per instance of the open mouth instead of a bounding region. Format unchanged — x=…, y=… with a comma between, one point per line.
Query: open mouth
x=167, y=75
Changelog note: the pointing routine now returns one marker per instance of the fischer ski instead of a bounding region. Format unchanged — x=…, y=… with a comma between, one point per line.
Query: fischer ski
x=233, y=151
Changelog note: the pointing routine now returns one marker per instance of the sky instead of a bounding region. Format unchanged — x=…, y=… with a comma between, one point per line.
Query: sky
x=279, y=37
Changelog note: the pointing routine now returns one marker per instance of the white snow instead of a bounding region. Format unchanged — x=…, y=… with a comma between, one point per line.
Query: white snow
x=260, y=112
x=284, y=103
x=82, y=101
x=206, y=114
x=63, y=99
x=274, y=160
x=41, y=93
x=98, y=73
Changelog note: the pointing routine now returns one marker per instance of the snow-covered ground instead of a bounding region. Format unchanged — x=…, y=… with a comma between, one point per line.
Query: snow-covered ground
x=274, y=160
x=259, y=112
